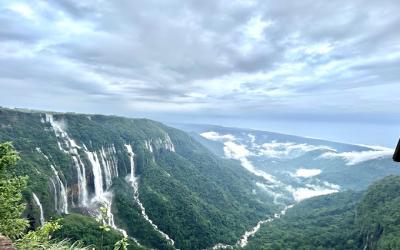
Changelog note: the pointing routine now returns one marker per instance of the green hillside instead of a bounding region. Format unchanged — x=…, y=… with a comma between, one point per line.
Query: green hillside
x=348, y=220
x=193, y=196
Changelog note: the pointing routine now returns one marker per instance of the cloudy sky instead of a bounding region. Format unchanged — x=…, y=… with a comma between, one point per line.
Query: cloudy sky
x=316, y=68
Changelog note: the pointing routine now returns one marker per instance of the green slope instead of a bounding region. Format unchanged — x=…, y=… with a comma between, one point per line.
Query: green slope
x=195, y=197
x=348, y=220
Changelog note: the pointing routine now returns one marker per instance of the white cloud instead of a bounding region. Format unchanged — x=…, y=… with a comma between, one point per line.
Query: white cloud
x=318, y=49
x=310, y=191
x=270, y=190
x=287, y=149
x=287, y=62
x=254, y=28
x=214, y=136
x=235, y=151
x=252, y=138
x=238, y=152
x=22, y=9
x=355, y=157
x=307, y=172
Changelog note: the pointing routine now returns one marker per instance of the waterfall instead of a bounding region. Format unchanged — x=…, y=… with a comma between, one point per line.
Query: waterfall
x=160, y=143
x=135, y=185
x=97, y=174
x=102, y=162
x=69, y=146
x=245, y=238
x=148, y=146
x=114, y=163
x=55, y=195
x=61, y=205
x=168, y=143
x=110, y=217
x=103, y=197
x=82, y=183
x=63, y=202
x=37, y=201
x=131, y=161
x=107, y=168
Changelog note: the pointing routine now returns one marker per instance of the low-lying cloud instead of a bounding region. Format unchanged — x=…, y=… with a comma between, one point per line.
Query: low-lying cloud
x=276, y=149
x=307, y=172
x=238, y=152
x=356, y=157
x=310, y=191
x=214, y=136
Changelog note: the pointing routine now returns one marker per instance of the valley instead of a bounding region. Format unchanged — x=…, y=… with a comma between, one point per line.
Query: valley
x=208, y=187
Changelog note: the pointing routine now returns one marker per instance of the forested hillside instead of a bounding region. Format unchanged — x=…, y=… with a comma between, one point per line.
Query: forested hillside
x=230, y=189
x=161, y=187
x=348, y=220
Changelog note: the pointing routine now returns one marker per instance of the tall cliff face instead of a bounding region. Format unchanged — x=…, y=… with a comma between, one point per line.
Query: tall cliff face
x=160, y=186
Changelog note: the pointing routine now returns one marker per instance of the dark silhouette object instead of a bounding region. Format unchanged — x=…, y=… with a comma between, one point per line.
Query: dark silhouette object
x=396, y=156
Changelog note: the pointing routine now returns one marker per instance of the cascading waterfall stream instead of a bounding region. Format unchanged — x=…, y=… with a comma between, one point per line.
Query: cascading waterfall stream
x=244, y=240
x=63, y=202
x=37, y=201
x=103, y=165
x=82, y=183
x=101, y=168
x=135, y=185
x=107, y=168
x=111, y=152
x=97, y=174
x=71, y=148
x=60, y=193
x=55, y=194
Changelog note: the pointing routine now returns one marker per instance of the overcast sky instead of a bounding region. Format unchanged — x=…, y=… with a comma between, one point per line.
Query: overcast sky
x=234, y=62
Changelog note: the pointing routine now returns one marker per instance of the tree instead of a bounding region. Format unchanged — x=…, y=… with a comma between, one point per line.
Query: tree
x=122, y=244
x=41, y=239
x=103, y=220
x=11, y=206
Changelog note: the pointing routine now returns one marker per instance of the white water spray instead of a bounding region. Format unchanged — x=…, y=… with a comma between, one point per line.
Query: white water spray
x=148, y=146
x=97, y=174
x=82, y=183
x=60, y=194
x=108, y=175
x=63, y=202
x=69, y=146
x=244, y=240
x=168, y=143
x=37, y=201
x=55, y=195
x=103, y=161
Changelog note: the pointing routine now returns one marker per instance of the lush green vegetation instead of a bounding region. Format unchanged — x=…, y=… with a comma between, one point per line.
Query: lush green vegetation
x=87, y=230
x=378, y=215
x=194, y=196
x=191, y=194
x=11, y=186
x=324, y=222
x=12, y=224
x=348, y=220
x=128, y=216
x=74, y=228
x=41, y=239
